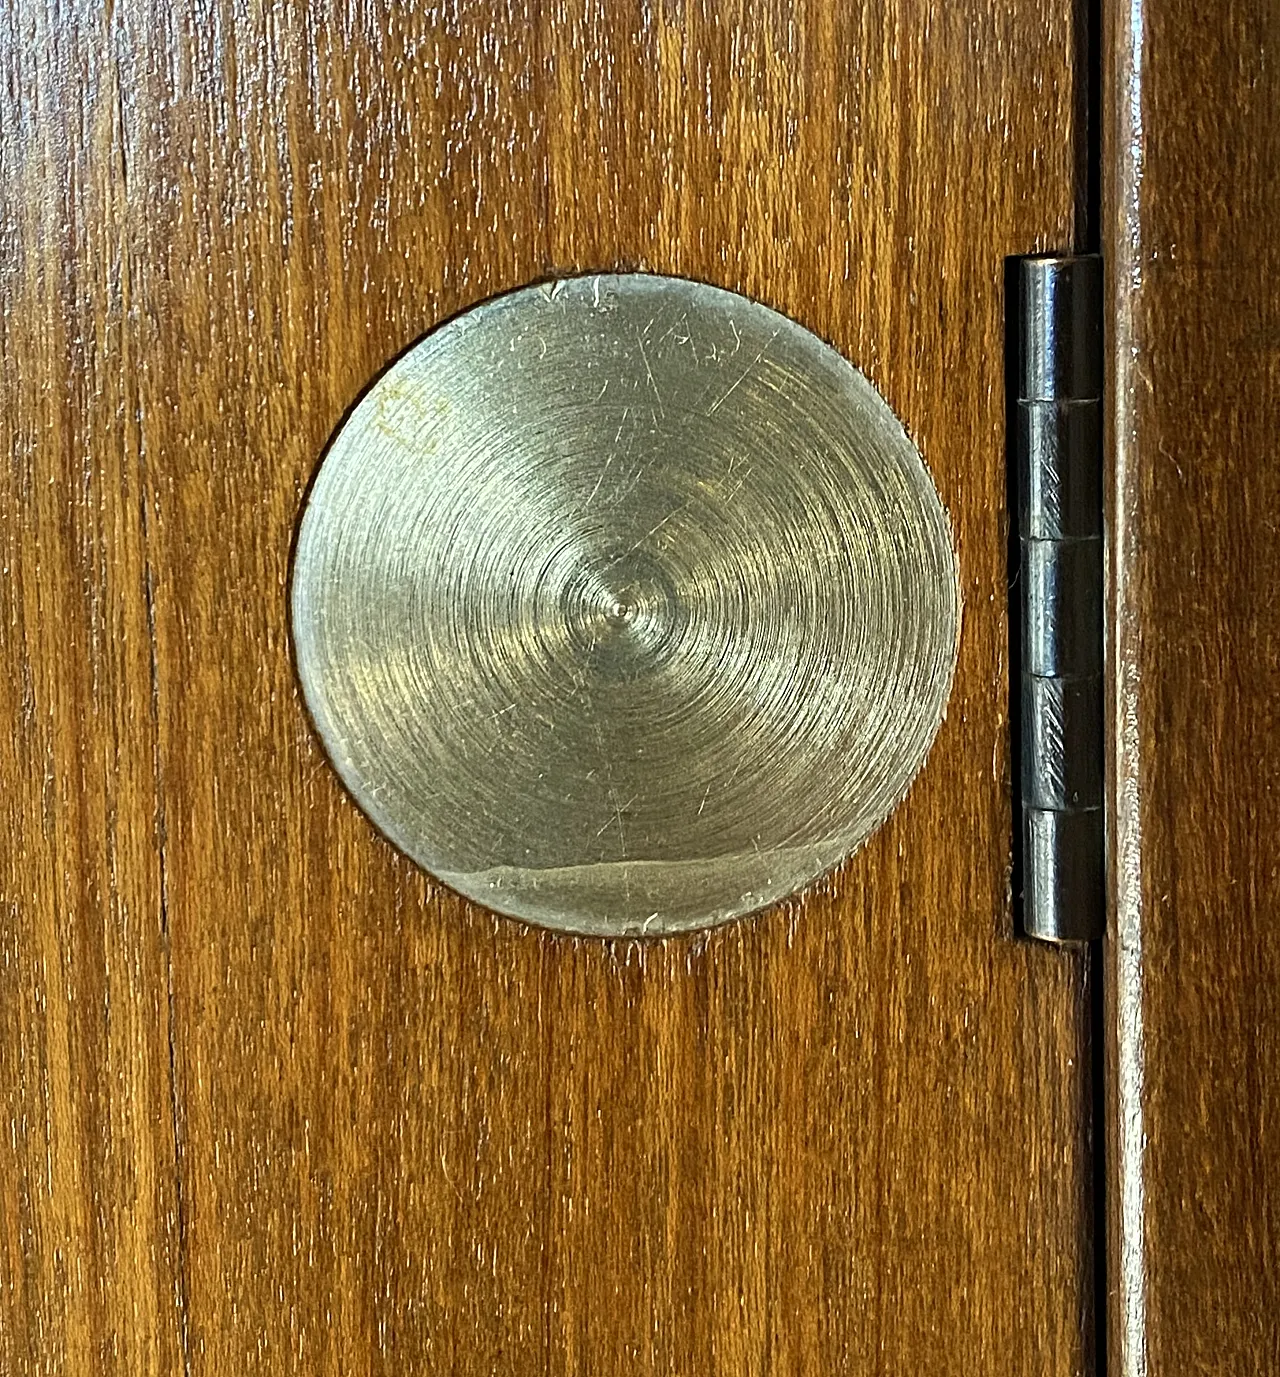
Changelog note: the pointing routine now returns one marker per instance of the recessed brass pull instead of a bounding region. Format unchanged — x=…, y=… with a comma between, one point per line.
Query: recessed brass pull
x=625, y=605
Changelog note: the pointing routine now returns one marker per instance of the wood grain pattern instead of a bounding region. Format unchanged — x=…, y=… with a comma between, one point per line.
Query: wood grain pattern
x=1192, y=205
x=274, y=1102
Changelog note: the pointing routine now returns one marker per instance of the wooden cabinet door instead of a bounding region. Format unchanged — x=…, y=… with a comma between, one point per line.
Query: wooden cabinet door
x=276, y=1102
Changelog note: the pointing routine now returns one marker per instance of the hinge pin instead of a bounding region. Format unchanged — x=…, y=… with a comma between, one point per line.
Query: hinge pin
x=1058, y=451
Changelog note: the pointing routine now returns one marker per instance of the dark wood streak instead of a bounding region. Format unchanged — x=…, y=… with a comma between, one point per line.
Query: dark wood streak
x=373, y=1129
x=1192, y=169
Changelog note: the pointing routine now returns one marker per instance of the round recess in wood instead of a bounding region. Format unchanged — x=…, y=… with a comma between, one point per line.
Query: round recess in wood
x=625, y=605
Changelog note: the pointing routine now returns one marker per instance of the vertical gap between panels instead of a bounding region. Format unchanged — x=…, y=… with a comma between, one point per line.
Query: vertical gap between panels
x=1089, y=230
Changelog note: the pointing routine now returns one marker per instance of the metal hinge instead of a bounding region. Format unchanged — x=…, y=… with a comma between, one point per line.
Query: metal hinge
x=1057, y=446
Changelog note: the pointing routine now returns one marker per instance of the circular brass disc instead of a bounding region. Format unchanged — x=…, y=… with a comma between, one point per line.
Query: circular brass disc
x=625, y=605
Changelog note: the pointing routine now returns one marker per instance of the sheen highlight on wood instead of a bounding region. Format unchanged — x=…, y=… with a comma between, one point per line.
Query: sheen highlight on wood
x=1192, y=206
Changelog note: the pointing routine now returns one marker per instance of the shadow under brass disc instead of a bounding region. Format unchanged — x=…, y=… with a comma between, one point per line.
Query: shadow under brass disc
x=625, y=605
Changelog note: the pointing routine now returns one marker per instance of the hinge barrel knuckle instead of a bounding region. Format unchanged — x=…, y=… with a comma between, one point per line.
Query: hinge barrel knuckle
x=1064, y=874
x=1061, y=354
x=1061, y=726
x=1058, y=451
x=1060, y=443
x=1062, y=611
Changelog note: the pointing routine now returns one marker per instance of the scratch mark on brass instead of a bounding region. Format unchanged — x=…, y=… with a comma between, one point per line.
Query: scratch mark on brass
x=604, y=653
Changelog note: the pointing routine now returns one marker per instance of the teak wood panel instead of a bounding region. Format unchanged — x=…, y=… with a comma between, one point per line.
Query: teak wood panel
x=1192, y=231
x=275, y=1102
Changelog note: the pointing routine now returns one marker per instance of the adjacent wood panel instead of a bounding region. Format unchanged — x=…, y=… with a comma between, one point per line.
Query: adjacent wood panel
x=1193, y=170
x=397, y=1134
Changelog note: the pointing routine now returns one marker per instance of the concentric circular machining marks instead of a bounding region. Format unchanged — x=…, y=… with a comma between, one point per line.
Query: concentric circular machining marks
x=625, y=605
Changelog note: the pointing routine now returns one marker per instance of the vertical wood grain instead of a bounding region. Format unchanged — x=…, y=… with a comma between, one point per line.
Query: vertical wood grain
x=845, y=1136
x=1192, y=168
x=90, y=1232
